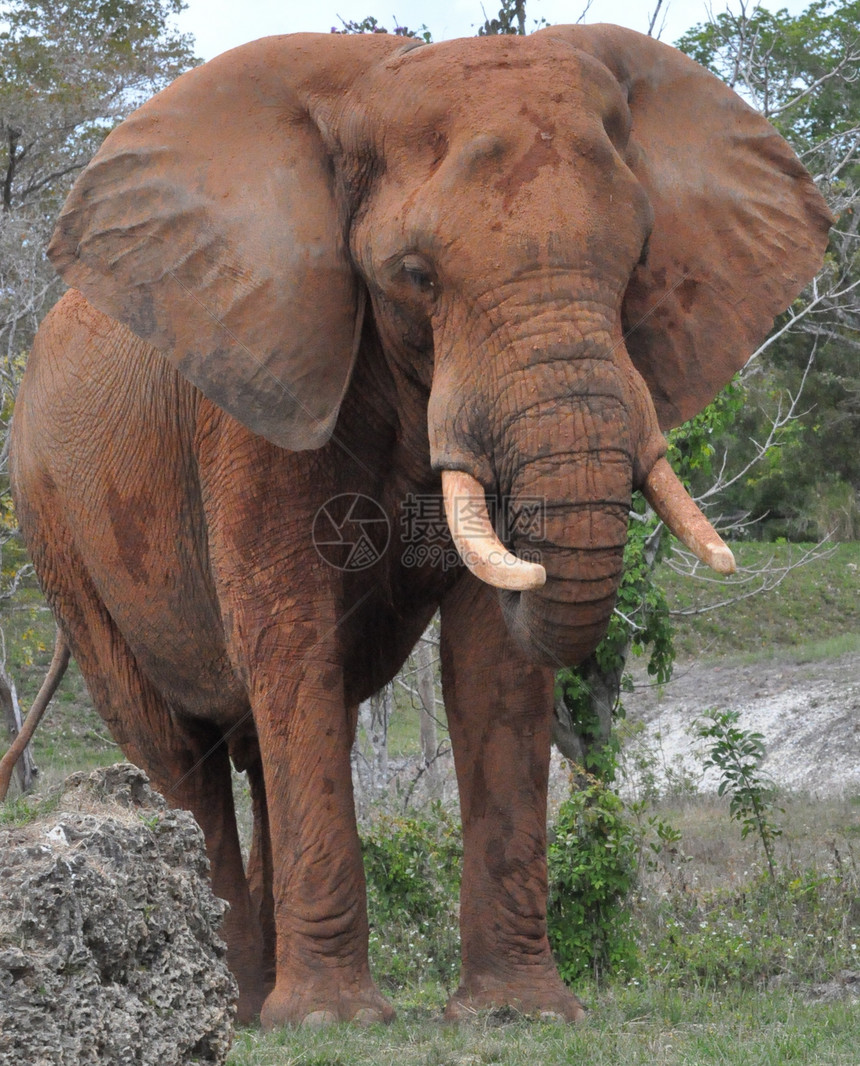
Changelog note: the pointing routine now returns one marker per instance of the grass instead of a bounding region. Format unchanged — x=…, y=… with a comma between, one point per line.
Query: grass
x=735, y=971
x=816, y=604
x=21, y=810
x=626, y=1027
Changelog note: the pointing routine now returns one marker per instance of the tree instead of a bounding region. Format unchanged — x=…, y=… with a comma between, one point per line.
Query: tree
x=69, y=72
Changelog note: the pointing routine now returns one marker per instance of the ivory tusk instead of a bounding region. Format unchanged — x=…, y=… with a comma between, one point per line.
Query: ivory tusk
x=674, y=505
x=476, y=540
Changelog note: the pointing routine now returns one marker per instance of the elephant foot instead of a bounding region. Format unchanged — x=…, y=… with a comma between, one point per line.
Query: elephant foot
x=297, y=1004
x=549, y=1000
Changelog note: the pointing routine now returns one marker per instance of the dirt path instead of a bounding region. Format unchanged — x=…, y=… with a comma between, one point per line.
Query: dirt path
x=808, y=713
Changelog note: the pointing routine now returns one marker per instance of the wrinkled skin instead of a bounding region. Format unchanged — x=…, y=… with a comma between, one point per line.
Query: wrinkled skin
x=523, y=258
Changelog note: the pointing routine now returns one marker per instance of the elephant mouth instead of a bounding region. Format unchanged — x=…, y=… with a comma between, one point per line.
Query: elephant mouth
x=490, y=561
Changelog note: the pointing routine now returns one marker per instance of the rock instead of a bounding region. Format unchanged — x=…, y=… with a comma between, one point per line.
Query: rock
x=109, y=946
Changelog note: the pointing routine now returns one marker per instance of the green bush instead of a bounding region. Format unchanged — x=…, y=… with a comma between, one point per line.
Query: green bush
x=592, y=871
x=412, y=865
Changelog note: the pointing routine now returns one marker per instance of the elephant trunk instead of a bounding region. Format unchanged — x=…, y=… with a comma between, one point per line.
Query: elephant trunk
x=570, y=432
x=488, y=559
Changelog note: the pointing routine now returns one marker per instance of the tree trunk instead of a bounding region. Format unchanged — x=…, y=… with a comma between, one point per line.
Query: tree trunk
x=25, y=768
x=426, y=685
x=374, y=715
x=12, y=148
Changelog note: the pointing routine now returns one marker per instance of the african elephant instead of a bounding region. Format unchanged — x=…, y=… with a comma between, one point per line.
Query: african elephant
x=316, y=282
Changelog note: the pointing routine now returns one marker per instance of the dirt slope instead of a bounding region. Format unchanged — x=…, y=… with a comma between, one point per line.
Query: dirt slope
x=808, y=713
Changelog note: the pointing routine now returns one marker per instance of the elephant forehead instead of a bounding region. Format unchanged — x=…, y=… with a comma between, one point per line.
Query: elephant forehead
x=454, y=85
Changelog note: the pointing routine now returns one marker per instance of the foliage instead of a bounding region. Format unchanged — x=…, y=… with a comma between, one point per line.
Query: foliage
x=692, y=445
x=412, y=866
x=798, y=69
x=801, y=921
x=737, y=754
x=511, y=20
x=69, y=72
x=592, y=871
x=371, y=25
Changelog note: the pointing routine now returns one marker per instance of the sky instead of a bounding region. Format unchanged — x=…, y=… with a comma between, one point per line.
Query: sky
x=221, y=24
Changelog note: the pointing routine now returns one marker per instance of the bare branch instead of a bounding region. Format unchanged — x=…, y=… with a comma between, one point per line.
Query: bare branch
x=652, y=21
x=846, y=69
x=748, y=582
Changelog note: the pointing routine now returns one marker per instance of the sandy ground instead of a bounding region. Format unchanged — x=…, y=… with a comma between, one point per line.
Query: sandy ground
x=808, y=713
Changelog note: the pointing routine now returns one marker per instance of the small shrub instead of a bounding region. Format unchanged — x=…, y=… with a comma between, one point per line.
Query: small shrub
x=738, y=754
x=412, y=865
x=592, y=870
x=800, y=923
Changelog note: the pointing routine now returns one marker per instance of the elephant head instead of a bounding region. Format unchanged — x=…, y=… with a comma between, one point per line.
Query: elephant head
x=569, y=242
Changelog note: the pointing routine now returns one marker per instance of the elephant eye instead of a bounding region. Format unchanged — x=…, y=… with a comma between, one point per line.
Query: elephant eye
x=418, y=273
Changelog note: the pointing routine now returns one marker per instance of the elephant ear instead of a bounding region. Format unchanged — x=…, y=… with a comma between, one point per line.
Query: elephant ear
x=739, y=226
x=208, y=223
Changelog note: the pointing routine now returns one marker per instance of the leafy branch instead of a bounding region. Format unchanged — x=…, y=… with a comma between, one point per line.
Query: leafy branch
x=738, y=755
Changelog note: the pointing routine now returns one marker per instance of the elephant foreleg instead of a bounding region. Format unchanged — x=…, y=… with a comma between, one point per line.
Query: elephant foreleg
x=319, y=890
x=499, y=709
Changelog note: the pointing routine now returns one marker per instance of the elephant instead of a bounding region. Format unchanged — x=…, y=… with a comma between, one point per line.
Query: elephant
x=359, y=329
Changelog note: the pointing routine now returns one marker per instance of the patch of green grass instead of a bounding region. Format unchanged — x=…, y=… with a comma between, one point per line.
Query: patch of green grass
x=817, y=603
x=628, y=1026
x=813, y=651
x=21, y=810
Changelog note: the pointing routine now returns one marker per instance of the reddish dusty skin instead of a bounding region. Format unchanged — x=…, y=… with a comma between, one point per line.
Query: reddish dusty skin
x=487, y=204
